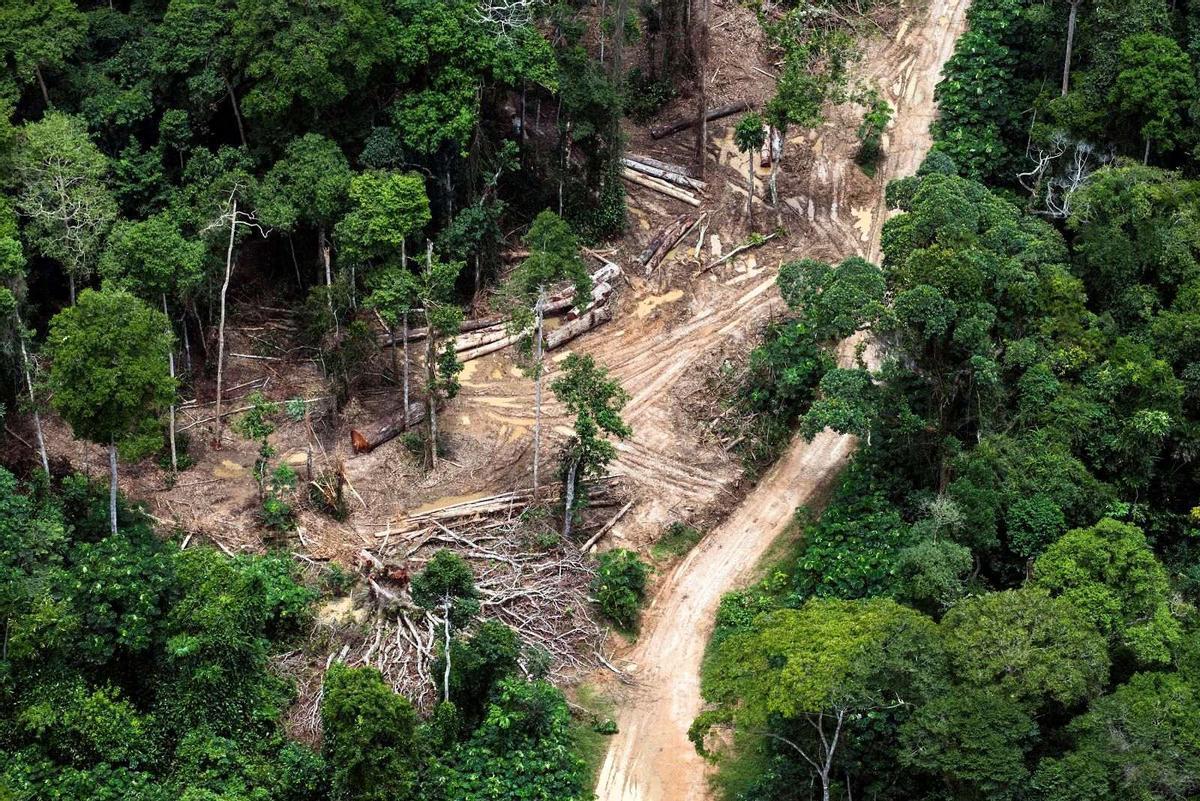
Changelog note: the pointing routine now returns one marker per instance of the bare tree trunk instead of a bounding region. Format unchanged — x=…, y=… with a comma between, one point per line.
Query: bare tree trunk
x=569, y=499
x=446, y=647
x=187, y=344
x=324, y=256
x=618, y=44
x=405, y=369
x=171, y=415
x=1066, y=77
x=1146, y=155
x=71, y=285
x=37, y=70
x=295, y=261
x=221, y=324
x=37, y=417
x=112, y=486
x=404, y=266
x=750, y=195
x=237, y=113
x=702, y=87
x=775, y=143
x=537, y=391
x=430, y=398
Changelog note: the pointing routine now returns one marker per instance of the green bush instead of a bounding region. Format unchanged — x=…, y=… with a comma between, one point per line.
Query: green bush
x=620, y=586
x=678, y=539
x=644, y=95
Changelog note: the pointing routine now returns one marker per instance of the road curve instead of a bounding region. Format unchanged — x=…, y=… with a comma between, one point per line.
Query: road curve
x=651, y=759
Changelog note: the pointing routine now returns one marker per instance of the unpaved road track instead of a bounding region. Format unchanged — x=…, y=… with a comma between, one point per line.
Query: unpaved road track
x=651, y=758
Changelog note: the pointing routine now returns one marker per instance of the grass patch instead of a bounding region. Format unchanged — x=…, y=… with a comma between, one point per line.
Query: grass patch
x=591, y=726
x=677, y=540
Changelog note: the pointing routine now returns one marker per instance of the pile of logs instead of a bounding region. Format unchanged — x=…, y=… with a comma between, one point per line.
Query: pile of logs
x=665, y=240
x=491, y=334
x=668, y=179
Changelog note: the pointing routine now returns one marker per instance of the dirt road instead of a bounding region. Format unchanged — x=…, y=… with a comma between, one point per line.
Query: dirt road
x=651, y=758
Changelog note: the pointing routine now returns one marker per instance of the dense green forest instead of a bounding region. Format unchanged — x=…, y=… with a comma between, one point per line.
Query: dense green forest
x=999, y=601
x=343, y=155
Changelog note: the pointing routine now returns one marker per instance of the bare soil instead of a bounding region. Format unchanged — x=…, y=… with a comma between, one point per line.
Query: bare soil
x=651, y=758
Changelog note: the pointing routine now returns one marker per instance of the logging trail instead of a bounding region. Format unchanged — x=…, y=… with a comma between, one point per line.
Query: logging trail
x=651, y=758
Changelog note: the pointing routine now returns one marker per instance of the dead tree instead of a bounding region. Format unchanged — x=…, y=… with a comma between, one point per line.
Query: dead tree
x=700, y=17
x=37, y=417
x=233, y=218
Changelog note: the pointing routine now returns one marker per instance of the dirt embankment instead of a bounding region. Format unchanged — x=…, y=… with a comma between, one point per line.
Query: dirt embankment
x=651, y=758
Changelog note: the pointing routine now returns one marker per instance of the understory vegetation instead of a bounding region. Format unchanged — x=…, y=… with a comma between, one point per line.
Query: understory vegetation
x=999, y=600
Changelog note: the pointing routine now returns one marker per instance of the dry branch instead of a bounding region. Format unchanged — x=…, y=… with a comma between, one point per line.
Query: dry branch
x=591, y=543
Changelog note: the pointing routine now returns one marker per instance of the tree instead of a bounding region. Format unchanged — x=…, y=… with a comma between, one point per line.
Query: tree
x=62, y=195
x=553, y=257
x=1110, y=573
x=40, y=34
x=109, y=374
x=386, y=208
x=522, y=749
x=153, y=260
x=1154, y=87
x=821, y=665
x=976, y=741
x=1142, y=741
x=596, y=400
x=1027, y=645
x=478, y=665
x=1066, y=70
x=309, y=185
x=749, y=138
x=12, y=275
x=448, y=586
x=368, y=736
x=435, y=290
x=620, y=586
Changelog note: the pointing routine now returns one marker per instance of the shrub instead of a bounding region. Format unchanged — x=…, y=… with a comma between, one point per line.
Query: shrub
x=620, y=586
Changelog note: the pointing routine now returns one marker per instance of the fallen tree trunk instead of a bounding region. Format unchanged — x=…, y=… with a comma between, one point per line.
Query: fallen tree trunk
x=418, y=334
x=656, y=241
x=490, y=347
x=676, y=178
x=690, y=172
x=675, y=233
x=568, y=331
x=717, y=113
x=659, y=186
x=386, y=429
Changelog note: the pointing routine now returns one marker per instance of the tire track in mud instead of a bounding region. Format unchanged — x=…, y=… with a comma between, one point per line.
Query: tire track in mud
x=651, y=759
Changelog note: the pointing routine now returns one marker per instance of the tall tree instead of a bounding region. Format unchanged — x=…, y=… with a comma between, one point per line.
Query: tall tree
x=1154, y=87
x=153, y=260
x=40, y=34
x=109, y=374
x=63, y=195
x=309, y=185
x=821, y=666
x=443, y=317
x=553, y=258
x=596, y=400
x=749, y=138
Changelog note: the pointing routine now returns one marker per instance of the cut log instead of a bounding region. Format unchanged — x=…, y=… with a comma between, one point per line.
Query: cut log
x=690, y=172
x=591, y=543
x=659, y=186
x=387, y=429
x=491, y=347
x=568, y=331
x=418, y=334
x=657, y=240
x=679, y=179
x=658, y=132
x=600, y=294
x=677, y=232
x=476, y=338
